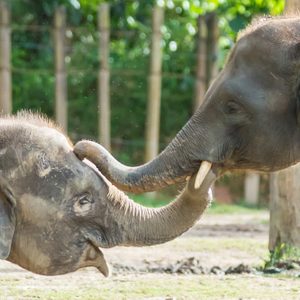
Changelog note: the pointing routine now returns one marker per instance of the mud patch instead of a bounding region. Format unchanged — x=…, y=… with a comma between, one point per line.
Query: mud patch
x=187, y=266
x=193, y=266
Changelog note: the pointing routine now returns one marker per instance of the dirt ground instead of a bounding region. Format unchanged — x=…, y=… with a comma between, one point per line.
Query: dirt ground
x=217, y=259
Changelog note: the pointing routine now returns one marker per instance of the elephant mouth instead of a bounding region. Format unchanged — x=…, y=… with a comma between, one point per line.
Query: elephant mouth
x=94, y=257
x=219, y=169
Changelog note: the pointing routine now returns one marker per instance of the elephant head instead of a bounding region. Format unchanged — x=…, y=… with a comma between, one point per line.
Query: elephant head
x=56, y=210
x=250, y=118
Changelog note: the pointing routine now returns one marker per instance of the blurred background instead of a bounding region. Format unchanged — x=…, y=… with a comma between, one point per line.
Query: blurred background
x=95, y=69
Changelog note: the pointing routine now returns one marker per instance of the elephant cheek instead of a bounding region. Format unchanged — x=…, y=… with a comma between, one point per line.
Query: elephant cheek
x=24, y=250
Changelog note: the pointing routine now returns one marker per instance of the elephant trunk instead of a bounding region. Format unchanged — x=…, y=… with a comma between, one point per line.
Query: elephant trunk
x=179, y=160
x=141, y=226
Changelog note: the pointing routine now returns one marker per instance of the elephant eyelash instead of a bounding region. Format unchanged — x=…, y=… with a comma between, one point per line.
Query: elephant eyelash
x=84, y=199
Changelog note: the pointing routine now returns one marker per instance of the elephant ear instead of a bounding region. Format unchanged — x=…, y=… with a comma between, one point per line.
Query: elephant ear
x=7, y=218
x=298, y=103
x=298, y=109
x=294, y=56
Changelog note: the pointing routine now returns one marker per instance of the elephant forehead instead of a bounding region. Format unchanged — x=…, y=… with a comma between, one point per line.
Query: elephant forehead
x=52, y=187
x=10, y=158
x=47, y=138
x=264, y=52
x=17, y=159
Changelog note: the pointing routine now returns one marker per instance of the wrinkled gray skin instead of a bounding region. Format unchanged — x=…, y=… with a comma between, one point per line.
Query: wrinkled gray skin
x=55, y=210
x=250, y=118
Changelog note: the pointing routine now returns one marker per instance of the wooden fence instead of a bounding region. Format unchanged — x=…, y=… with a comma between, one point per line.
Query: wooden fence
x=5, y=69
x=206, y=71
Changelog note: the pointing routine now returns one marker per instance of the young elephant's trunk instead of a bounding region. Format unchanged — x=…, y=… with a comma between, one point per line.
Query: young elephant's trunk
x=140, y=226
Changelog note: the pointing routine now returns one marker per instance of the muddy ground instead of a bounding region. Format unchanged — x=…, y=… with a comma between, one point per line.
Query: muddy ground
x=217, y=259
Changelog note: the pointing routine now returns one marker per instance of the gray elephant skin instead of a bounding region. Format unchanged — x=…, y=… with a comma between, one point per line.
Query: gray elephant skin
x=56, y=210
x=250, y=118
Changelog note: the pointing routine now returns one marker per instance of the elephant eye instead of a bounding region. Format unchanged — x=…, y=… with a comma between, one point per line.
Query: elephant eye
x=233, y=107
x=84, y=199
x=83, y=204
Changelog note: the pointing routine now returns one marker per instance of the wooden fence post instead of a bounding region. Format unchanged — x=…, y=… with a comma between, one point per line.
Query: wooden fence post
x=200, y=85
x=251, y=188
x=212, y=47
x=103, y=76
x=154, y=87
x=60, y=68
x=5, y=66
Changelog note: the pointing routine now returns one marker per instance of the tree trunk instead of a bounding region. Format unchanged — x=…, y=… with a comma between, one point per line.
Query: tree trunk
x=251, y=188
x=104, y=75
x=285, y=208
x=291, y=6
x=154, y=90
x=285, y=193
x=5, y=65
x=61, y=105
x=200, y=85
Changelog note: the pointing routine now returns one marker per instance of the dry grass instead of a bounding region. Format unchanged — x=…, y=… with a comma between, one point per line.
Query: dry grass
x=91, y=286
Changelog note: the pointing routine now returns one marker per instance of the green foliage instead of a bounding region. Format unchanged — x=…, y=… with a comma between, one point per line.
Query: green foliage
x=282, y=255
x=160, y=199
x=151, y=201
x=275, y=256
x=33, y=60
x=219, y=208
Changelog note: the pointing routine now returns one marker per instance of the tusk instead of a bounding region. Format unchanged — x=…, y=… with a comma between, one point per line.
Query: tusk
x=203, y=170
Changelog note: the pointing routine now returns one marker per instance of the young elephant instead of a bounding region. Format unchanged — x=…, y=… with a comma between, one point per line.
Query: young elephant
x=250, y=118
x=56, y=211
